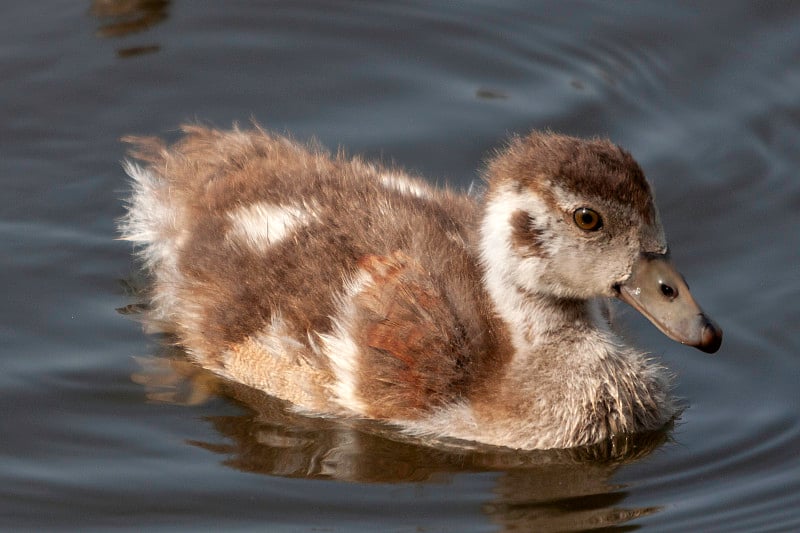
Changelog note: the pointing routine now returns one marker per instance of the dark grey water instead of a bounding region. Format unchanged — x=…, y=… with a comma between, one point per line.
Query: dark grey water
x=104, y=428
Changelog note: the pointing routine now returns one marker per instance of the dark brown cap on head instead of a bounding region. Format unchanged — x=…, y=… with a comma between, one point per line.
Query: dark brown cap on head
x=595, y=167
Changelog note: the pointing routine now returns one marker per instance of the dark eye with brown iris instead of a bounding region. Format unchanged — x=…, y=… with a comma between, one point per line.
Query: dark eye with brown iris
x=587, y=219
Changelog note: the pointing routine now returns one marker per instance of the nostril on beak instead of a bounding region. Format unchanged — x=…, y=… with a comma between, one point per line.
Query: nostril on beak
x=668, y=291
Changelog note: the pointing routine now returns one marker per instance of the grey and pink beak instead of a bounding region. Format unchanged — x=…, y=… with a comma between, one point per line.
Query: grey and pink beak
x=658, y=291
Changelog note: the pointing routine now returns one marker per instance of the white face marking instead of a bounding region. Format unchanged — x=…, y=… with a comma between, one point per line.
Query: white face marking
x=262, y=224
x=506, y=272
x=341, y=350
x=405, y=185
x=497, y=250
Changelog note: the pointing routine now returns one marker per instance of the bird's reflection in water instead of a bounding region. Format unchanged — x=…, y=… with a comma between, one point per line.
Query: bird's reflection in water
x=121, y=18
x=536, y=490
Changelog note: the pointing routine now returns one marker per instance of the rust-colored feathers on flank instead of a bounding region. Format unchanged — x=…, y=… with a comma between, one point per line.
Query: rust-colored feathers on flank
x=417, y=352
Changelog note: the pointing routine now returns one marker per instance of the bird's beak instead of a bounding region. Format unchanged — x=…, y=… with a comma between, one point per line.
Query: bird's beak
x=659, y=292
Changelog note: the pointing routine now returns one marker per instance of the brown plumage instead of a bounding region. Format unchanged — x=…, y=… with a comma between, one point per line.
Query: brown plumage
x=349, y=288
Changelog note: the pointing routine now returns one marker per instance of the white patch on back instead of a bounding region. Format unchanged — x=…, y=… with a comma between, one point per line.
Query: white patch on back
x=261, y=225
x=405, y=185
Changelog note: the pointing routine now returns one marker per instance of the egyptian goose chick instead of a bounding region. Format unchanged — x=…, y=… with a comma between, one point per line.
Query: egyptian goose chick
x=353, y=289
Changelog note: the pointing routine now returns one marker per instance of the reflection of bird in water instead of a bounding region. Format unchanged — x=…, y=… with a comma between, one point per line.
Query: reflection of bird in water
x=532, y=491
x=120, y=18
x=351, y=289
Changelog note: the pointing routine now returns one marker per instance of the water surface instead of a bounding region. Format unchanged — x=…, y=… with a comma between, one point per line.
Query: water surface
x=105, y=427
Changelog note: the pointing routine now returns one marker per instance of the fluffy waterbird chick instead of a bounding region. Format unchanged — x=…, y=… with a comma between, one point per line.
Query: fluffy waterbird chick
x=353, y=289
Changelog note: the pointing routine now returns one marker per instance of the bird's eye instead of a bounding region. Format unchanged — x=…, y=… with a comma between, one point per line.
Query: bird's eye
x=587, y=219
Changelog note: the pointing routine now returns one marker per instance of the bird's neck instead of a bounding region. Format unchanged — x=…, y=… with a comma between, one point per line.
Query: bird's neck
x=536, y=320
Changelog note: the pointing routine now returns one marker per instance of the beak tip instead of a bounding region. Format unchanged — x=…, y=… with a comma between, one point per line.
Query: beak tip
x=711, y=338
